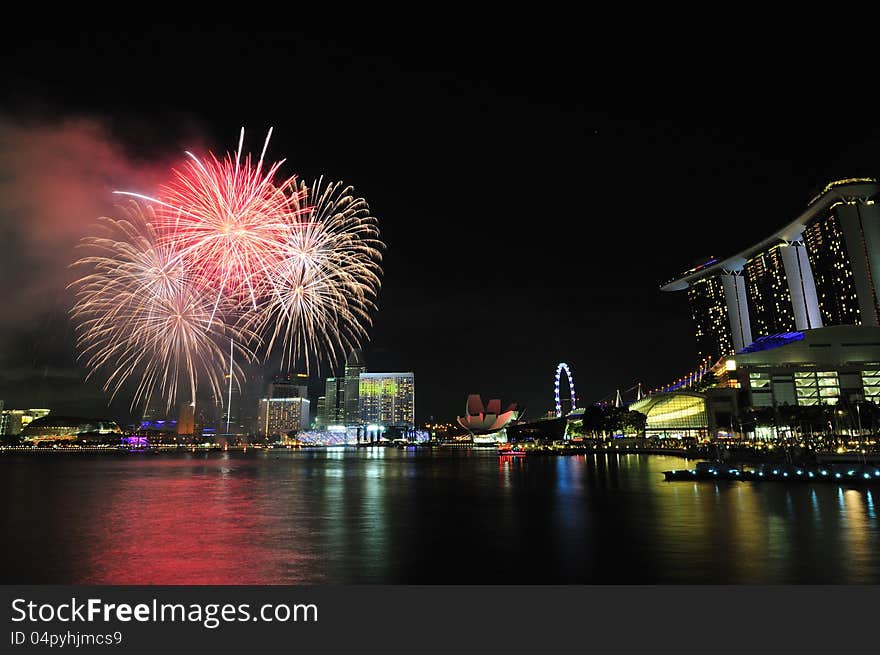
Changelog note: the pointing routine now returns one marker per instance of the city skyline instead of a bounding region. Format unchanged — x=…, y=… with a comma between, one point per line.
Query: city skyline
x=565, y=276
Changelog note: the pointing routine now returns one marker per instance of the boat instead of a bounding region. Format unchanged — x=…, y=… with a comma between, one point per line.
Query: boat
x=508, y=450
x=715, y=471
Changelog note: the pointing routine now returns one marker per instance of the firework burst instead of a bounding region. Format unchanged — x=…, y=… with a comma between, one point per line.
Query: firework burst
x=327, y=281
x=224, y=254
x=140, y=316
x=230, y=220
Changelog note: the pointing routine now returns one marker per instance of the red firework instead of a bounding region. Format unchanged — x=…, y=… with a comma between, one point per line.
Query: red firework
x=230, y=222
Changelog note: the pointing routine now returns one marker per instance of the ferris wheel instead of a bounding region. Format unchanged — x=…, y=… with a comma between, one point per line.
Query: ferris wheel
x=559, y=368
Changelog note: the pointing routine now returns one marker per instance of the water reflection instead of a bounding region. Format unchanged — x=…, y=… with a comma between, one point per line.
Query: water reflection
x=381, y=515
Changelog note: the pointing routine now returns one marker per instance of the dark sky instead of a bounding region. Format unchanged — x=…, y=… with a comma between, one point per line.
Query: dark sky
x=535, y=180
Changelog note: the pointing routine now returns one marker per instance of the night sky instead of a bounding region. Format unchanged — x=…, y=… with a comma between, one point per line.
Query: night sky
x=535, y=181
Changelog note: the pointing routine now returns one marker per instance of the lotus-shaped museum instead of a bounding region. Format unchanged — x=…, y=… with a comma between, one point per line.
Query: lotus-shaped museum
x=487, y=421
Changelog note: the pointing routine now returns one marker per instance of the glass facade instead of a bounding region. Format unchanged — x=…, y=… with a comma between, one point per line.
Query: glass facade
x=321, y=413
x=832, y=271
x=816, y=387
x=802, y=388
x=334, y=404
x=770, y=305
x=349, y=403
x=678, y=413
x=709, y=312
x=783, y=389
x=387, y=399
x=871, y=385
x=762, y=392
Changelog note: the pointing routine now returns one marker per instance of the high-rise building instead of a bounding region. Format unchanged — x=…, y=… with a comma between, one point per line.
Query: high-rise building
x=285, y=406
x=354, y=366
x=387, y=399
x=321, y=419
x=279, y=416
x=186, y=420
x=710, y=314
x=835, y=287
x=335, y=402
x=770, y=304
x=822, y=268
x=289, y=385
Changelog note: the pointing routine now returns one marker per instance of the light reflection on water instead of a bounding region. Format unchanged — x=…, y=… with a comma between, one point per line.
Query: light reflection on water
x=388, y=516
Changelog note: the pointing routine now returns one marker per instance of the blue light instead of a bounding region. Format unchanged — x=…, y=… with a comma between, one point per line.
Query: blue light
x=761, y=474
x=800, y=472
x=772, y=341
x=775, y=472
x=785, y=475
x=867, y=476
x=810, y=474
x=824, y=472
x=837, y=475
x=850, y=472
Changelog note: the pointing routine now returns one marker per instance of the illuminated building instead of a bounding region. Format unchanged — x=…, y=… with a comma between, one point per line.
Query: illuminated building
x=334, y=406
x=10, y=421
x=770, y=306
x=677, y=414
x=839, y=246
x=819, y=269
x=487, y=424
x=387, y=399
x=815, y=367
x=709, y=311
x=285, y=407
x=278, y=416
x=67, y=428
x=30, y=415
x=13, y=421
x=350, y=404
x=186, y=422
x=321, y=413
x=758, y=389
